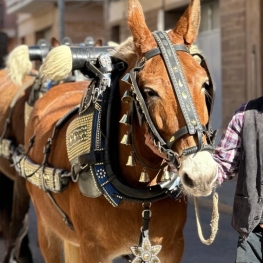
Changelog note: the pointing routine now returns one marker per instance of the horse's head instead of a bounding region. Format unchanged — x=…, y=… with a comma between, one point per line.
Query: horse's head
x=174, y=104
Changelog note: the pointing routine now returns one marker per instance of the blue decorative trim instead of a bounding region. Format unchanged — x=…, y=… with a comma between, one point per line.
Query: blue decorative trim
x=102, y=178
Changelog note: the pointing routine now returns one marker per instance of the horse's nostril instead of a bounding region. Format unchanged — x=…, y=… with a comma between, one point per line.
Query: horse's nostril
x=187, y=180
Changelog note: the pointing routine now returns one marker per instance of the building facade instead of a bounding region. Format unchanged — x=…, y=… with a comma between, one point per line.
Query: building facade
x=230, y=38
x=7, y=33
x=42, y=19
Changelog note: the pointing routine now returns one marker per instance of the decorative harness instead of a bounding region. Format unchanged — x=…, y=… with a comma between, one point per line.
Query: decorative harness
x=182, y=93
x=91, y=137
x=7, y=146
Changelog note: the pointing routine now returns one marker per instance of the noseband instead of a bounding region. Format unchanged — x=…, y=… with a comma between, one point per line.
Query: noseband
x=183, y=95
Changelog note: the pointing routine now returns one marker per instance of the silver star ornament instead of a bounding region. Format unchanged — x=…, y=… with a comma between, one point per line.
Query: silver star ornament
x=146, y=253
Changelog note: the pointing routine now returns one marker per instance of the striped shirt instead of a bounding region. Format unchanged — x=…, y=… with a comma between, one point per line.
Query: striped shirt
x=227, y=152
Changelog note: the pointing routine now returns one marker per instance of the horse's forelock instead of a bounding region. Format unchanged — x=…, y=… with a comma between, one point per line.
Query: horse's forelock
x=125, y=50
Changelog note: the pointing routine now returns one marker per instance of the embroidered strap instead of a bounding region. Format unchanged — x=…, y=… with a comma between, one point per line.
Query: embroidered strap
x=47, y=179
x=179, y=83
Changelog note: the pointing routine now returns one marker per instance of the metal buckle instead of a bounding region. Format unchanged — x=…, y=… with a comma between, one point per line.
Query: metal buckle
x=74, y=176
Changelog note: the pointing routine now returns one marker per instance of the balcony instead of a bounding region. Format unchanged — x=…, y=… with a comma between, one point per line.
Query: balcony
x=31, y=6
x=25, y=6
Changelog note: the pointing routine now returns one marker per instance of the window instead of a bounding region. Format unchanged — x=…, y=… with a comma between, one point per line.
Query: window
x=115, y=34
x=171, y=17
x=210, y=16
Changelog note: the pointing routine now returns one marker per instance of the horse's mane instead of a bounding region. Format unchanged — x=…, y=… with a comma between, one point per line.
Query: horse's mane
x=126, y=50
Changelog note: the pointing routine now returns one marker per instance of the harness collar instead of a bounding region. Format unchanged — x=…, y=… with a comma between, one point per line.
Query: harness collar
x=102, y=95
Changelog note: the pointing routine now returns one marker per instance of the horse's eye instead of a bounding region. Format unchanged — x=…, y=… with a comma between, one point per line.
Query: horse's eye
x=206, y=84
x=150, y=93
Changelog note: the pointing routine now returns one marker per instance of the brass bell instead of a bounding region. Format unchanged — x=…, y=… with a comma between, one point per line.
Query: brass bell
x=166, y=176
x=144, y=178
x=127, y=97
x=131, y=161
x=126, y=78
x=126, y=139
x=126, y=119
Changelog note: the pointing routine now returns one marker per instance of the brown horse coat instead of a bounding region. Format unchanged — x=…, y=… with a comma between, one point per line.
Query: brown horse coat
x=101, y=231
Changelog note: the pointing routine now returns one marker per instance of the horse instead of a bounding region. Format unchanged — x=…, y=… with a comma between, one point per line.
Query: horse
x=17, y=80
x=87, y=196
x=20, y=89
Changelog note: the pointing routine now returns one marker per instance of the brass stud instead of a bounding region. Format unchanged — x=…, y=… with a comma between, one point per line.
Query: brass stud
x=180, y=83
x=184, y=95
x=172, y=139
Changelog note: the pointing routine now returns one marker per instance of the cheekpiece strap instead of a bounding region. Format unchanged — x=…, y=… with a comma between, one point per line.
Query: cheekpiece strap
x=179, y=82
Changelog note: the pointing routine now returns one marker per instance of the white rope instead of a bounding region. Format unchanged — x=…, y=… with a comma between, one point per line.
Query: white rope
x=214, y=221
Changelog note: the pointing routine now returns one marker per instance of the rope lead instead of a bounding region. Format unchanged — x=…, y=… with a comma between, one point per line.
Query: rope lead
x=214, y=221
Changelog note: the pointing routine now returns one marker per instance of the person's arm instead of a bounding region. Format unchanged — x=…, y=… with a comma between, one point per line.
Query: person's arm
x=227, y=152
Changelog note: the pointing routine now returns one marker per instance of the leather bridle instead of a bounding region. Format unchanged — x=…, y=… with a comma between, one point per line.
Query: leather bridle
x=193, y=125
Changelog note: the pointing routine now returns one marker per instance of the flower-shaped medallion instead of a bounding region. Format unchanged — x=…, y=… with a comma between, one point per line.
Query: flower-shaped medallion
x=146, y=253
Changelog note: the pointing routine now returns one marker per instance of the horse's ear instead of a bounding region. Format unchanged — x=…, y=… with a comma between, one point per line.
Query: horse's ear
x=98, y=43
x=54, y=42
x=188, y=25
x=143, y=39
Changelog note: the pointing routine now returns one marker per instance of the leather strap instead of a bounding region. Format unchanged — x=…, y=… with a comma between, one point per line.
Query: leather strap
x=156, y=51
x=179, y=82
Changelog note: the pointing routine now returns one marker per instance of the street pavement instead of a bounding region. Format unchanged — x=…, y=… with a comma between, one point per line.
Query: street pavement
x=222, y=250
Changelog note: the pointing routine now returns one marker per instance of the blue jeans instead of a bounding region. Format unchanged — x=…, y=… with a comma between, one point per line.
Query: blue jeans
x=250, y=250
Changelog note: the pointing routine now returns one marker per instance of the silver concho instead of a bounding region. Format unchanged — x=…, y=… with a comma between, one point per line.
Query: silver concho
x=105, y=60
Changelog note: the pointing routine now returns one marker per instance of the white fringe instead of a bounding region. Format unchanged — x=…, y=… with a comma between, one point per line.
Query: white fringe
x=57, y=65
x=18, y=64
